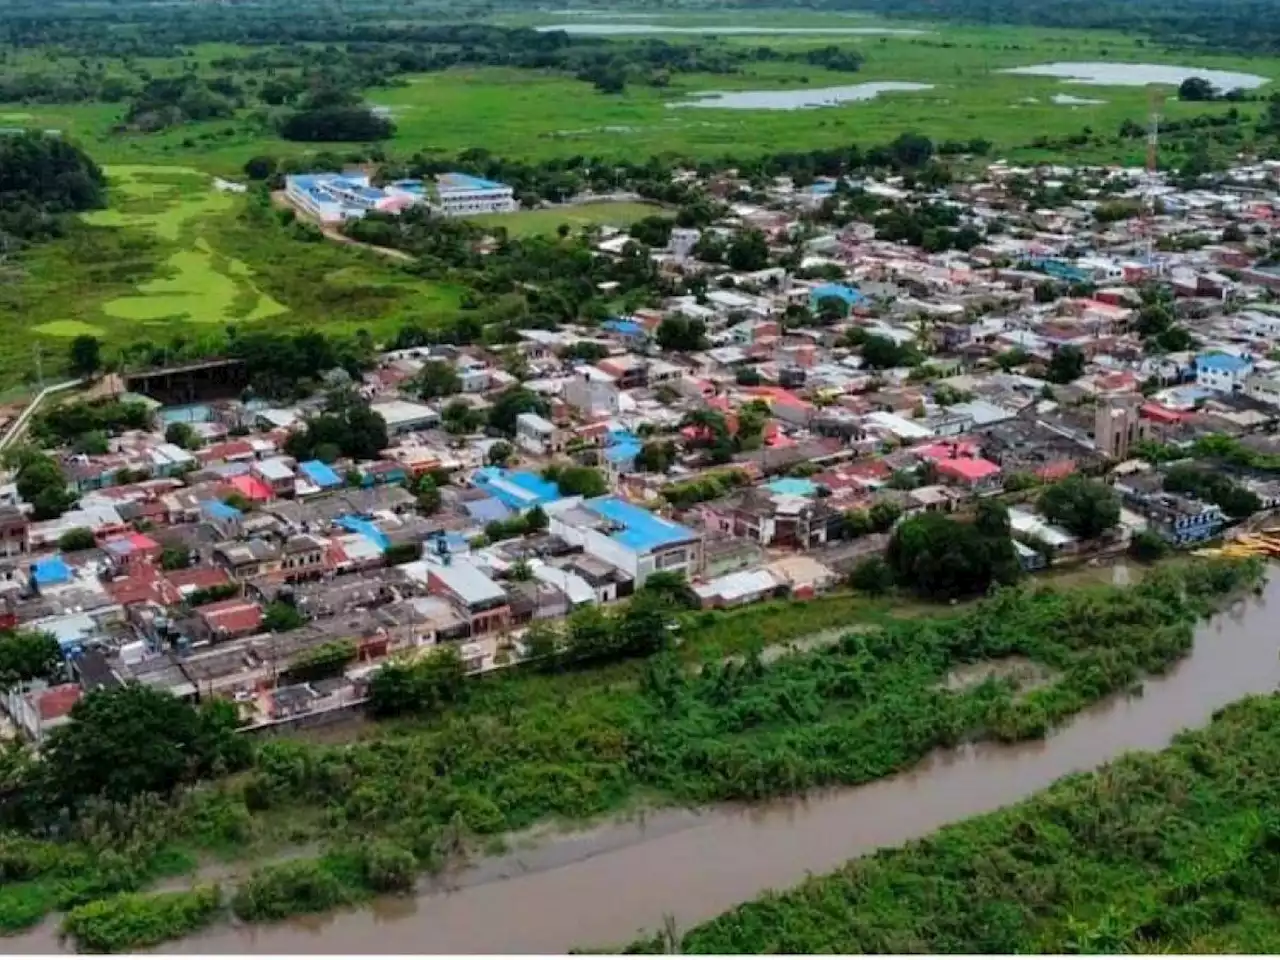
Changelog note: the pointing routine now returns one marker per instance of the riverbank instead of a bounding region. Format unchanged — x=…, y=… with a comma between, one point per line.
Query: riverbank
x=1170, y=852
x=875, y=715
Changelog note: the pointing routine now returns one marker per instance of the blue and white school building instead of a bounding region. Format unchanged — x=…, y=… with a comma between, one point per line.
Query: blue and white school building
x=335, y=197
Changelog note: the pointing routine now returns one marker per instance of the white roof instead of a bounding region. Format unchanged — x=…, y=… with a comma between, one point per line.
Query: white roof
x=1033, y=525
x=733, y=586
x=898, y=426
x=403, y=411
x=571, y=584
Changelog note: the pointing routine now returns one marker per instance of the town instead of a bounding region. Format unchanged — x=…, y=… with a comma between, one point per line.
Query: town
x=1095, y=350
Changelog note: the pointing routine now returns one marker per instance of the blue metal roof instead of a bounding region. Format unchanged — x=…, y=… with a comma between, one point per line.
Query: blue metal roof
x=519, y=491
x=320, y=473
x=219, y=510
x=487, y=510
x=643, y=531
x=1222, y=361
x=837, y=290
x=796, y=486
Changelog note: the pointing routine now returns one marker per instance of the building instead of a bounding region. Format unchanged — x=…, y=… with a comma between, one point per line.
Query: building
x=14, y=528
x=593, y=393
x=538, y=435
x=626, y=536
x=1222, y=372
x=482, y=601
x=404, y=416
x=1118, y=424
x=337, y=197
x=460, y=195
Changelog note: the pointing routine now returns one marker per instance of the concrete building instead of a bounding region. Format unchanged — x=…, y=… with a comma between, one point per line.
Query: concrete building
x=1222, y=372
x=538, y=435
x=1118, y=425
x=626, y=536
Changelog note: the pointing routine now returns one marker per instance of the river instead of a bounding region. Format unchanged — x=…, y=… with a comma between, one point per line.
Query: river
x=603, y=886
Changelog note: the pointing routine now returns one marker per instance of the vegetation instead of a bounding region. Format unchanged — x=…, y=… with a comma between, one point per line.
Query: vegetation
x=1085, y=507
x=130, y=921
x=944, y=558
x=1171, y=852
x=43, y=178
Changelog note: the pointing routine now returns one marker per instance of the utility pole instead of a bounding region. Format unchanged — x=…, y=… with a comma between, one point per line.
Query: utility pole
x=39, y=372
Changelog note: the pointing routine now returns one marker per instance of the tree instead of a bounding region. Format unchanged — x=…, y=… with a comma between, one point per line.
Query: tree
x=656, y=456
x=399, y=553
x=428, y=495
x=542, y=641
x=421, y=687
x=1085, y=507
x=673, y=588
x=1047, y=291
x=121, y=742
x=260, y=167
x=1066, y=365
x=510, y=404
x=748, y=252
x=437, y=378
x=881, y=353
x=1196, y=89
x=872, y=576
x=42, y=484
x=182, y=435
x=945, y=558
x=576, y=481
x=80, y=538
x=911, y=150
x=282, y=617
x=680, y=333
x=882, y=516
x=536, y=519
x=175, y=558
x=500, y=454
x=643, y=627
x=86, y=356
x=27, y=655
x=1148, y=546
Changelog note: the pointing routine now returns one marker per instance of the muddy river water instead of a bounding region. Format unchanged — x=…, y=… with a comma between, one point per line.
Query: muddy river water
x=602, y=887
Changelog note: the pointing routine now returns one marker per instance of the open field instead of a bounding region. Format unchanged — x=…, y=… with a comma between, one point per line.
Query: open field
x=533, y=114
x=172, y=261
x=547, y=221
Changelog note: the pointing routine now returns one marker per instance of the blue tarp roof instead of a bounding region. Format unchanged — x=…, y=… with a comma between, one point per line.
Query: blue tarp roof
x=320, y=473
x=52, y=570
x=622, y=452
x=219, y=510
x=628, y=328
x=487, y=510
x=365, y=527
x=798, y=486
x=837, y=290
x=643, y=531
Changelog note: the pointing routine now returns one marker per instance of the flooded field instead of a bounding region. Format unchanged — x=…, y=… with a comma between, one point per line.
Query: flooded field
x=1137, y=74
x=800, y=99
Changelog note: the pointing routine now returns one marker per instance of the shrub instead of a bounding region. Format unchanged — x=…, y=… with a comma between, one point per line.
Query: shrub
x=133, y=920
x=288, y=889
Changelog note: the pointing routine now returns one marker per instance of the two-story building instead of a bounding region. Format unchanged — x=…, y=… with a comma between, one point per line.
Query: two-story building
x=481, y=600
x=630, y=538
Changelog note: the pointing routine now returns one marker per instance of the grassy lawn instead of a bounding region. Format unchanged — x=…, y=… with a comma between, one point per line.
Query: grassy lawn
x=172, y=259
x=530, y=222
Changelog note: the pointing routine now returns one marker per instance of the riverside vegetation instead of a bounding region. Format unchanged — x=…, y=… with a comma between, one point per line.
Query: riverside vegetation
x=1170, y=852
x=476, y=759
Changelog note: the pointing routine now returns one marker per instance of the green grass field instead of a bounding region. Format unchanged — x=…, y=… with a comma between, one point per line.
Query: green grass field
x=173, y=260
x=529, y=222
x=532, y=114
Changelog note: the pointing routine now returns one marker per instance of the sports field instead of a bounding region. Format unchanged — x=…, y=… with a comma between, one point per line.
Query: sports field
x=576, y=216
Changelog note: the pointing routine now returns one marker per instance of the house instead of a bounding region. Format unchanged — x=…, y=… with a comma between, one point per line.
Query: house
x=230, y=619
x=303, y=557
x=973, y=473
x=251, y=558
x=1222, y=372
x=15, y=531
x=276, y=474
x=774, y=516
x=593, y=393
x=631, y=538
x=538, y=435
x=480, y=599
x=39, y=711
x=403, y=416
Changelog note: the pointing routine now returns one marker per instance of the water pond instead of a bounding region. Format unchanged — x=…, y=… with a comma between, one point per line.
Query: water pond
x=1138, y=74
x=799, y=99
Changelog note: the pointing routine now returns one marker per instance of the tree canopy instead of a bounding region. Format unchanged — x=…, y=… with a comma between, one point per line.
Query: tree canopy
x=1085, y=507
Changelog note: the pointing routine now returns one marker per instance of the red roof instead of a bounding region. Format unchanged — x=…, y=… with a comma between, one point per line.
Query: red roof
x=970, y=469
x=146, y=585
x=57, y=701
x=199, y=578
x=1058, y=470
x=234, y=616
x=947, y=450
x=1158, y=413
x=251, y=487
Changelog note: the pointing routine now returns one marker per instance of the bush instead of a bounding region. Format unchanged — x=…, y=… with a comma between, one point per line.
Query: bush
x=133, y=920
x=872, y=576
x=287, y=890
x=389, y=868
x=1148, y=546
x=81, y=538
